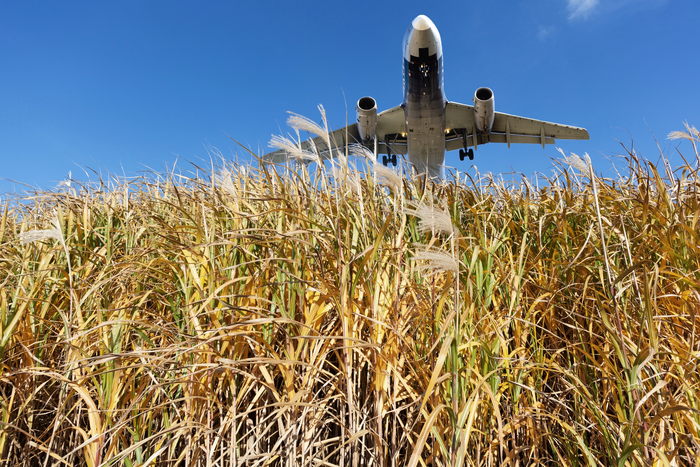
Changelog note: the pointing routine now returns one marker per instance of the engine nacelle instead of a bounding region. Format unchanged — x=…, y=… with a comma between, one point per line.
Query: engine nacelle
x=367, y=120
x=484, y=110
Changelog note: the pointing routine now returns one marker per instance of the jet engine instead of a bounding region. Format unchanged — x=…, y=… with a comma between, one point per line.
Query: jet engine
x=484, y=110
x=367, y=120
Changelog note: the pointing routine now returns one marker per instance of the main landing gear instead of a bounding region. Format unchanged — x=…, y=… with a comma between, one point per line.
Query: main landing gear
x=468, y=153
x=390, y=158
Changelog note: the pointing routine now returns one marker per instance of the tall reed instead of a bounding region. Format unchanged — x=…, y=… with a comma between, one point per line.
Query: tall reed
x=345, y=316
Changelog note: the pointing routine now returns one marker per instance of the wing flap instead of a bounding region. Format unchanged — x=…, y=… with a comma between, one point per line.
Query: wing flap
x=496, y=138
x=530, y=127
x=509, y=129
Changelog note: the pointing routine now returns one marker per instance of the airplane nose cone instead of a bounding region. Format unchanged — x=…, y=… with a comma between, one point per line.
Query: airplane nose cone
x=422, y=22
x=422, y=34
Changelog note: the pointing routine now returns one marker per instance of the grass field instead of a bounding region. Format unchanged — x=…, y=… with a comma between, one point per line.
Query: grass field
x=242, y=316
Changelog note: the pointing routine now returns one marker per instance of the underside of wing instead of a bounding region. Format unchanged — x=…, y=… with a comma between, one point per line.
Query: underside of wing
x=511, y=124
x=391, y=131
x=461, y=128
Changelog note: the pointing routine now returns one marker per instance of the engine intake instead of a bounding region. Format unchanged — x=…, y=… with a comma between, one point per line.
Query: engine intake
x=367, y=119
x=484, y=110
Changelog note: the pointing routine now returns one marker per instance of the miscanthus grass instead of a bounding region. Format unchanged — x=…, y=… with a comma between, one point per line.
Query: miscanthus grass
x=352, y=317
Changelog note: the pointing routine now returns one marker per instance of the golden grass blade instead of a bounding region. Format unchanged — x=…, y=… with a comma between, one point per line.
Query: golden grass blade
x=232, y=315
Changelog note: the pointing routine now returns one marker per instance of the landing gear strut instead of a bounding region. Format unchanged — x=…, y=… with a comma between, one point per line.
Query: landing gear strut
x=390, y=158
x=466, y=152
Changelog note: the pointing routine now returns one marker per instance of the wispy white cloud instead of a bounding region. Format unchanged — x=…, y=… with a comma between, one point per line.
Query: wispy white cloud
x=581, y=8
x=543, y=33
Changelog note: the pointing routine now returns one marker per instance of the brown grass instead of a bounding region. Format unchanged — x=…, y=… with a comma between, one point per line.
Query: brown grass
x=265, y=318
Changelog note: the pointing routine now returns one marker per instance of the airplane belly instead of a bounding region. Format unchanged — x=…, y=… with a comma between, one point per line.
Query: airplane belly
x=424, y=99
x=425, y=122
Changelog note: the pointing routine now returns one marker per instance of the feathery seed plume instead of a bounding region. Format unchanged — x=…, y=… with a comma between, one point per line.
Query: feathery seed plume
x=691, y=134
x=293, y=150
x=432, y=219
x=301, y=123
x=436, y=260
x=576, y=162
x=387, y=177
x=66, y=182
x=359, y=150
x=38, y=235
x=225, y=180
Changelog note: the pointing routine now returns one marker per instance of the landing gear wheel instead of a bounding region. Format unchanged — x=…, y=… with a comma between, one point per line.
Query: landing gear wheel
x=469, y=153
x=391, y=159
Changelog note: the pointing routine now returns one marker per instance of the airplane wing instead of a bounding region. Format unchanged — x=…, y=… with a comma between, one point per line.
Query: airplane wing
x=459, y=120
x=339, y=139
x=391, y=131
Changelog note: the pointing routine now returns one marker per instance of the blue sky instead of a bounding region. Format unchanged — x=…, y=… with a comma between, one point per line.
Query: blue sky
x=119, y=87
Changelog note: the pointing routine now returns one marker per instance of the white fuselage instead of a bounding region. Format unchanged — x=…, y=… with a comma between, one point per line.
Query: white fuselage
x=424, y=97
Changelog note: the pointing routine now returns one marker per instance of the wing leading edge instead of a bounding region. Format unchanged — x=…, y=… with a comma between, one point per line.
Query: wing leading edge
x=509, y=129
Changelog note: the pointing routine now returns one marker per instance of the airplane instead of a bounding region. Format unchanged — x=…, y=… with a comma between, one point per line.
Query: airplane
x=426, y=124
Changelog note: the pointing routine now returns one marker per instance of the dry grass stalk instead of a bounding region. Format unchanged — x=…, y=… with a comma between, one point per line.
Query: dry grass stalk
x=272, y=319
